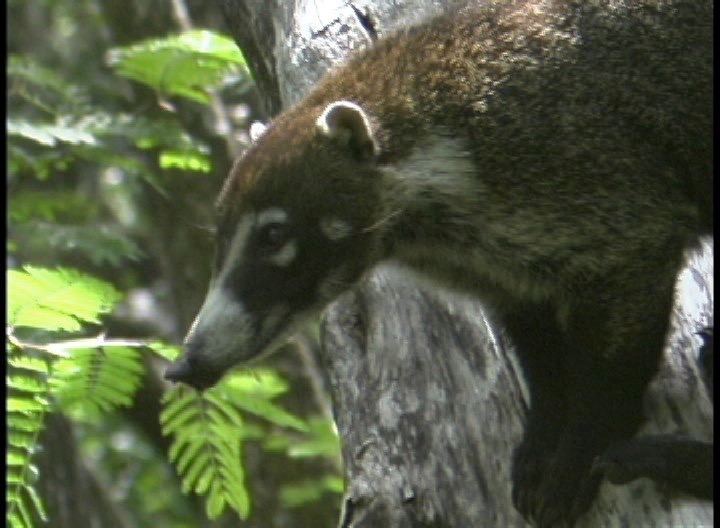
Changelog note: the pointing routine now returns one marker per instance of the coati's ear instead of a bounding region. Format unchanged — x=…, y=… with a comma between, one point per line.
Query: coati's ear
x=257, y=129
x=348, y=124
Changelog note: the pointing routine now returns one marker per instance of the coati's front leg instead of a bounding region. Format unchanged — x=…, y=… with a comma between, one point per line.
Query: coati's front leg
x=607, y=352
x=540, y=346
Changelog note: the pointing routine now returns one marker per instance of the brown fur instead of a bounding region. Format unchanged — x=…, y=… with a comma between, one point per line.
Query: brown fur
x=569, y=147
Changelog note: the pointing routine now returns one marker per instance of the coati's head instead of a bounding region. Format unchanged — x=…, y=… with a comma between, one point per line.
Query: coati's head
x=294, y=229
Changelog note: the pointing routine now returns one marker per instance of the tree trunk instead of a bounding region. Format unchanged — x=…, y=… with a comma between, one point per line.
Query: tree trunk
x=428, y=397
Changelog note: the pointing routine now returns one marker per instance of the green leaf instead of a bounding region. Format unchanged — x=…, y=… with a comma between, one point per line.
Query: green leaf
x=26, y=384
x=37, y=503
x=185, y=160
x=322, y=441
x=186, y=65
x=179, y=413
x=223, y=410
x=171, y=353
x=334, y=484
x=29, y=363
x=44, y=88
x=58, y=299
x=271, y=412
x=25, y=405
x=293, y=495
x=103, y=244
x=14, y=459
x=207, y=436
x=264, y=383
x=93, y=381
x=215, y=503
x=21, y=422
x=31, y=205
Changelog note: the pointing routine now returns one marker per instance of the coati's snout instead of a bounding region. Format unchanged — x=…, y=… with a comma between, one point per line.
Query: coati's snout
x=222, y=334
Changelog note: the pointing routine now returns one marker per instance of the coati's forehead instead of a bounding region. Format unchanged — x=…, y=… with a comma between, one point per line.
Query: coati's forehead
x=273, y=165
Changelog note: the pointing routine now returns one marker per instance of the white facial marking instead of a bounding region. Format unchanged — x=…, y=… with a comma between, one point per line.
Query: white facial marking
x=237, y=247
x=334, y=228
x=223, y=324
x=285, y=255
x=274, y=215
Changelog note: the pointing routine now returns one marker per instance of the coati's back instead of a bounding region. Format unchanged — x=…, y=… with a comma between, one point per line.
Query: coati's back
x=528, y=66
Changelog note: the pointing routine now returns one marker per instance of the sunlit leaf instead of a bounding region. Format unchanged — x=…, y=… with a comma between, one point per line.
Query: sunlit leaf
x=186, y=65
x=56, y=299
x=185, y=160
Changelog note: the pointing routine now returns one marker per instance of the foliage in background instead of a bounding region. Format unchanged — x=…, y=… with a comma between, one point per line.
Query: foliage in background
x=77, y=163
x=187, y=65
x=50, y=301
x=209, y=429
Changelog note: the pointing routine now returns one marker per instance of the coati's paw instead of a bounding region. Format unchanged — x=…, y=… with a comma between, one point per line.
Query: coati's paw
x=629, y=461
x=530, y=462
x=553, y=488
x=676, y=463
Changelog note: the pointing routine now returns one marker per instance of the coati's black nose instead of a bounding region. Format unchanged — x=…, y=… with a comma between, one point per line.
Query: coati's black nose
x=185, y=371
x=179, y=370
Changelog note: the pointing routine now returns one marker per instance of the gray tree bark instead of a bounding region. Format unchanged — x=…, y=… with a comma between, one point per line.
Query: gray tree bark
x=428, y=396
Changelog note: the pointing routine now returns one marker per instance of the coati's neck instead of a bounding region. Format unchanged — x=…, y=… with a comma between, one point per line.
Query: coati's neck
x=438, y=179
x=430, y=199
x=438, y=219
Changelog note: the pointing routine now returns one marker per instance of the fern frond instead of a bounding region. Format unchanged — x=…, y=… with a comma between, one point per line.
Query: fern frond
x=171, y=353
x=206, y=448
x=29, y=363
x=309, y=490
x=92, y=381
x=322, y=440
x=253, y=392
x=27, y=403
x=58, y=299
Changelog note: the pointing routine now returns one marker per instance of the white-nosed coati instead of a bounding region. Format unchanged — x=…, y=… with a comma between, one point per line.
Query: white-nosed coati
x=552, y=158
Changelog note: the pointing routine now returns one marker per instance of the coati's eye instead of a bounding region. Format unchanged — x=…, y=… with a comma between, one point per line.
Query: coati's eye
x=272, y=237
